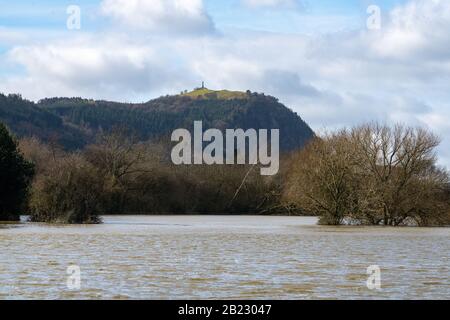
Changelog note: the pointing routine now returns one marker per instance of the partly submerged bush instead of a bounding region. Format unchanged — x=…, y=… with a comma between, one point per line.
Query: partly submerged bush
x=373, y=174
x=70, y=193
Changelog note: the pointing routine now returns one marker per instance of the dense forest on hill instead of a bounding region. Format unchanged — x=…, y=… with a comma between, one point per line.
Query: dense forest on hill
x=75, y=122
x=25, y=119
x=79, y=159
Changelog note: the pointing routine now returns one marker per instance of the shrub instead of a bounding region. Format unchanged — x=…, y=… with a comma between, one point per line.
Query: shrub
x=70, y=193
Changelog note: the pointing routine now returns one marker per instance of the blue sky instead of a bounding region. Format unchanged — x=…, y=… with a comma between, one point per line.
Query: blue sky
x=310, y=15
x=50, y=14
x=318, y=57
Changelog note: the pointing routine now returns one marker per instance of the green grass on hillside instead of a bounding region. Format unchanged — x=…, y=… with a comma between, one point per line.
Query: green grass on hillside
x=218, y=94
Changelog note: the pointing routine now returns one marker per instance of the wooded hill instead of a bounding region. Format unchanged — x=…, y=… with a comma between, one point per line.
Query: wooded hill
x=75, y=122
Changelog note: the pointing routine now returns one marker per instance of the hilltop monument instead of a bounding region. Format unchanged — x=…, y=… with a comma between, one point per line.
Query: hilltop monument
x=201, y=88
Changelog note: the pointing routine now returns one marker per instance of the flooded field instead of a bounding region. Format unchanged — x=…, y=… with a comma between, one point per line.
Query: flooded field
x=218, y=257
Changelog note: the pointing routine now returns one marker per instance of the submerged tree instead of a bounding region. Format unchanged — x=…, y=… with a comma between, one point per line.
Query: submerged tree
x=373, y=174
x=322, y=180
x=15, y=177
x=400, y=163
x=69, y=193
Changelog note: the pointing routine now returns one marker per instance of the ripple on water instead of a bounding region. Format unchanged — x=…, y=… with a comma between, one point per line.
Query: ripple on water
x=222, y=257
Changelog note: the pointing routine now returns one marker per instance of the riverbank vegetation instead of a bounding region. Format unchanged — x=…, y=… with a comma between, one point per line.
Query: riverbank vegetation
x=118, y=175
x=371, y=175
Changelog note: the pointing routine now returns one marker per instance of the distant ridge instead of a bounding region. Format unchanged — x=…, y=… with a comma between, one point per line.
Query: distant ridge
x=75, y=122
x=206, y=93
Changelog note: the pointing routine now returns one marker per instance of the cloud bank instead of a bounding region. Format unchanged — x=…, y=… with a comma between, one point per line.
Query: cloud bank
x=400, y=73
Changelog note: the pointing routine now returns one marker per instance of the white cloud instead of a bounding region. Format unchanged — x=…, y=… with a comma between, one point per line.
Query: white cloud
x=418, y=29
x=115, y=67
x=399, y=73
x=167, y=16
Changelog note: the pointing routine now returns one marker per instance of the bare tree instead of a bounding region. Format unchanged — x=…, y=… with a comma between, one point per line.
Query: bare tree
x=322, y=178
x=395, y=159
x=374, y=174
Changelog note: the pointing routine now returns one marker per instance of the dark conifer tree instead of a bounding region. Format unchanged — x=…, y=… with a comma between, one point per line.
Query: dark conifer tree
x=15, y=177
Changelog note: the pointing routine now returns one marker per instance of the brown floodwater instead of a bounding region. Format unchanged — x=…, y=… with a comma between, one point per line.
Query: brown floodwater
x=222, y=257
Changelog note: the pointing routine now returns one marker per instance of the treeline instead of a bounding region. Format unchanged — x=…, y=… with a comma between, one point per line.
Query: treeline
x=372, y=175
x=118, y=175
x=26, y=118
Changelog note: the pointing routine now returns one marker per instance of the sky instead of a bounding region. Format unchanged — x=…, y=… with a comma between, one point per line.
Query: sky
x=336, y=63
